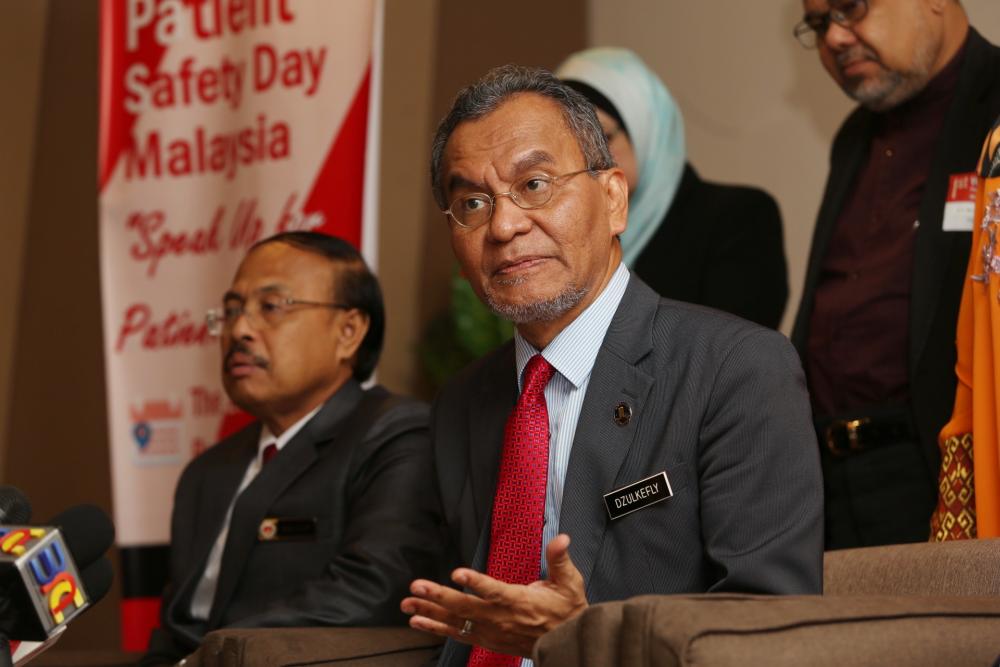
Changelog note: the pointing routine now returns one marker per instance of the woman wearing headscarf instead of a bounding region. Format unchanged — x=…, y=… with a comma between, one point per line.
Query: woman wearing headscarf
x=716, y=245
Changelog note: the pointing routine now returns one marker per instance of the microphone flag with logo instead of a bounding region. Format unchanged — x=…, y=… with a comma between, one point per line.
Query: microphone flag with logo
x=41, y=577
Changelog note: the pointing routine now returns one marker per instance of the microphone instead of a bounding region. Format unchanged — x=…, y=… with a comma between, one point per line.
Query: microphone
x=97, y=579
x=14, y=506
x=87, y=530
x=53, y=573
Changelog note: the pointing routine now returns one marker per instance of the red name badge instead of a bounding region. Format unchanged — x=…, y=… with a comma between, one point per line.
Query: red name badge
x=960, y=204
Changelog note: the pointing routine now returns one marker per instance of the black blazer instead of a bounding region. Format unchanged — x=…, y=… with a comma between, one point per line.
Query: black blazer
x=940, y=257
x=718, y=403
x=720, y=246
x=362, y=469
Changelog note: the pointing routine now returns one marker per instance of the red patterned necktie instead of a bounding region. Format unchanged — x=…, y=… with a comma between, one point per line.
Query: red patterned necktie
x=269, y=453
x=519, y=503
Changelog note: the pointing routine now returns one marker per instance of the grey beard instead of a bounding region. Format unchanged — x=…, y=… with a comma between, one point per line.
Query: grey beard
x=539, y=311
x=894, y=87
x=889, y=91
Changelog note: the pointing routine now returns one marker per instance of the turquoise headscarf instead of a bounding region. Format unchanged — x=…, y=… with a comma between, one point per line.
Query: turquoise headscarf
x=655, y=129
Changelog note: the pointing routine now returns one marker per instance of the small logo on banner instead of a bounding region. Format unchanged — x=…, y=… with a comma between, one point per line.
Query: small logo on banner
x=157, y=431
x=960, y=205
x=638, y=495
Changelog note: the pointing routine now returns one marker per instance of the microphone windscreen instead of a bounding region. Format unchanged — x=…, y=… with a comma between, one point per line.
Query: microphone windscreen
x=87, y=531
x=14, y=506
x=97, y=578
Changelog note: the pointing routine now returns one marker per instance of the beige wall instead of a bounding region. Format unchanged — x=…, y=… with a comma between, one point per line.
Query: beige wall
x=758, y=108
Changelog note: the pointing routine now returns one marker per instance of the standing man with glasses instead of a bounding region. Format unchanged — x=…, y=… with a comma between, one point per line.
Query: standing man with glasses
x=876, y=326
x=621, y=444
x=321, y=512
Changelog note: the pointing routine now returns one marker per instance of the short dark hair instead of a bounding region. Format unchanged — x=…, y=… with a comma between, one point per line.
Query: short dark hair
x=356, y=287
x=500, y=84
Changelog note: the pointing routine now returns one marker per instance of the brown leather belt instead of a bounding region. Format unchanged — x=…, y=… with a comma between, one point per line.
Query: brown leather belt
x=851, y=436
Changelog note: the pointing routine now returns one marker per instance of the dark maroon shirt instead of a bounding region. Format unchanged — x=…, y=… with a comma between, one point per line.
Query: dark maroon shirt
x=859, y=330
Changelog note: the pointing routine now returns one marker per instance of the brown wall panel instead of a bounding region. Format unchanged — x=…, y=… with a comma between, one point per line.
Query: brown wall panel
x=57, y=433
x=22, y=33
x=407, y=78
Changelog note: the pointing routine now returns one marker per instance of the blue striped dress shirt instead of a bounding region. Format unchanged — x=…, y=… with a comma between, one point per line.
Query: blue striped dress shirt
x=572, y=353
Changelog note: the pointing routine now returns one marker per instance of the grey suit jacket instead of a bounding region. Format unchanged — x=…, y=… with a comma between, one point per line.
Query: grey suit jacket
x=360, y=469
x=718, y=403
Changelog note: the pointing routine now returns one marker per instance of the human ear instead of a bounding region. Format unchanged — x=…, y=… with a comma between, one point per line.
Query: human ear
x=350, y=332
x=938, y=6
x=616, y=194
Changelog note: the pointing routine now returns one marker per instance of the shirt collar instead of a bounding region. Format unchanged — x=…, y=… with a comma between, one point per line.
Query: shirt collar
x=573, y=351
x=267, y=438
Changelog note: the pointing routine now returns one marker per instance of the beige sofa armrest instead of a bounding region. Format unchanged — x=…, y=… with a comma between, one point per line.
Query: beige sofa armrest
x=274, y=647
x=721, y=630
x=963, y=567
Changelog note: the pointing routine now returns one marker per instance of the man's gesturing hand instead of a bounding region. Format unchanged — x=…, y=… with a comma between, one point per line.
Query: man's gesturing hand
x=506, y=618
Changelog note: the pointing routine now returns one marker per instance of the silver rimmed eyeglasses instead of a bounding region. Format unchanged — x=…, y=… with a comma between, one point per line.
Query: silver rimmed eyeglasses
x=265, y=308
x=845, y=13
x=476, y=209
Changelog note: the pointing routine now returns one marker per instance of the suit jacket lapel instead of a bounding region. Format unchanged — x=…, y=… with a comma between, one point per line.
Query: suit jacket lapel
x=252, y=505
x=224, y=477
x=957, y=151
x=495, y=399
x=600, y=445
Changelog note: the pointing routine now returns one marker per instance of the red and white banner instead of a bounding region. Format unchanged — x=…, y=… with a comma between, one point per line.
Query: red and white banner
x=222, y=122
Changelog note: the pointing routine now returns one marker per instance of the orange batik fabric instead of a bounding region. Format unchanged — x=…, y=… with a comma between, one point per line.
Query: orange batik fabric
x=969, y=484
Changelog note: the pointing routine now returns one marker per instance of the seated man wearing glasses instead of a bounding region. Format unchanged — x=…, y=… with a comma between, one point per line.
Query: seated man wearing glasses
x=876, y=326
x=621, y=444
x=321, y=512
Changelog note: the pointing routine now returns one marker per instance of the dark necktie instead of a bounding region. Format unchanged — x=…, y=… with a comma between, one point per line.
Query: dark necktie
x=269, y=453
x=519, y=504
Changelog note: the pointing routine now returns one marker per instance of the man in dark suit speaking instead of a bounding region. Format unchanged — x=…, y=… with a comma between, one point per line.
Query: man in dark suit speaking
x=673, y=444
x=323, y=511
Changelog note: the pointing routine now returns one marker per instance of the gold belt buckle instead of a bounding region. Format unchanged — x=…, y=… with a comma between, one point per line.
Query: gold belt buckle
x=851, y=427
